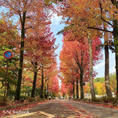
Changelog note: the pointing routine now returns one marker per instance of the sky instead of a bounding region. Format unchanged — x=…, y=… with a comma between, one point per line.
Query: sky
x=57, y=26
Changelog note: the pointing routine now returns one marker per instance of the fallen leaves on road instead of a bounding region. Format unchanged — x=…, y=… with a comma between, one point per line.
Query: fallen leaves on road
x=18, y=108
x=99, y=104
x=80, y=113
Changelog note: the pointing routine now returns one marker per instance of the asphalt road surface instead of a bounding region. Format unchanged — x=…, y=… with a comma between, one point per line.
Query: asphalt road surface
x=67, y=109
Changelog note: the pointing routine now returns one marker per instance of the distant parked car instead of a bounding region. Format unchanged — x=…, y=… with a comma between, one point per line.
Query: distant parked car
x=49, y=97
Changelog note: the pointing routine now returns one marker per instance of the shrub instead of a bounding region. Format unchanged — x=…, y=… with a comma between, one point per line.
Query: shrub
x=4, y=100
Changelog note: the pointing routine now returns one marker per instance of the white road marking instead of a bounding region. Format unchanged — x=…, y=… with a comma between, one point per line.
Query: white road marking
x=29, y=114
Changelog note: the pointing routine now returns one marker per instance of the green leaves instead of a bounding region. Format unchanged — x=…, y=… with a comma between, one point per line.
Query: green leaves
x=9, y=77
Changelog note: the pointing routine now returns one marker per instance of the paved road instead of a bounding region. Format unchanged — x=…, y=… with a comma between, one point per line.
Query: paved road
x=67, y=109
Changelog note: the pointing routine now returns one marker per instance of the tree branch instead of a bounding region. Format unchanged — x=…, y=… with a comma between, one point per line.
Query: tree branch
x=101, y=9
x=99, y=29
x=106, y=21
x=30, y=27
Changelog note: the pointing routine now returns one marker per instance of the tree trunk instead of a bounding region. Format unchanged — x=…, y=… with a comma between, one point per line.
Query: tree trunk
x=42, y=83
x=117, y=70
x=107, y=80
x=47, y=88
x=80, y=65
x=116, y=52
x=81, y=85
x=34, y=81
x=73, y=90
x=77, y=89
x=6, y=81
x=106, y=50
x=20, y=70
x=91, y=69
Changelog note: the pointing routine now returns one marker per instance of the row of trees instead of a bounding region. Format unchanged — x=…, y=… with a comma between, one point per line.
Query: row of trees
x=75, y=63
x=33, y=44
x=88, y=19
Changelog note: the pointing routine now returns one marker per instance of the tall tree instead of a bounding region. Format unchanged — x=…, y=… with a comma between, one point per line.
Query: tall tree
x=24, y=10
x=91, y=68
x=77, y=52
x=8, y=67
x=91, y=15
x=107, y=78
x=40, y=55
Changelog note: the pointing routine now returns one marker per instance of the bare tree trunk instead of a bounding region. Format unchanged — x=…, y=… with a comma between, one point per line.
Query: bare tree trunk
x=42, y=83
x=77, y=89
x=115, y=34
x=81, y=85
x=34, y=81
x=91, y=68
x=107, y=80
x=80, y=66
x=116, y=52
x=6, y=81
x=73, y=90
x=20, y=70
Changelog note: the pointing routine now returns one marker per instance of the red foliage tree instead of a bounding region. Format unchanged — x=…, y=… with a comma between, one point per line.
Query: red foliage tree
x=75, y=60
